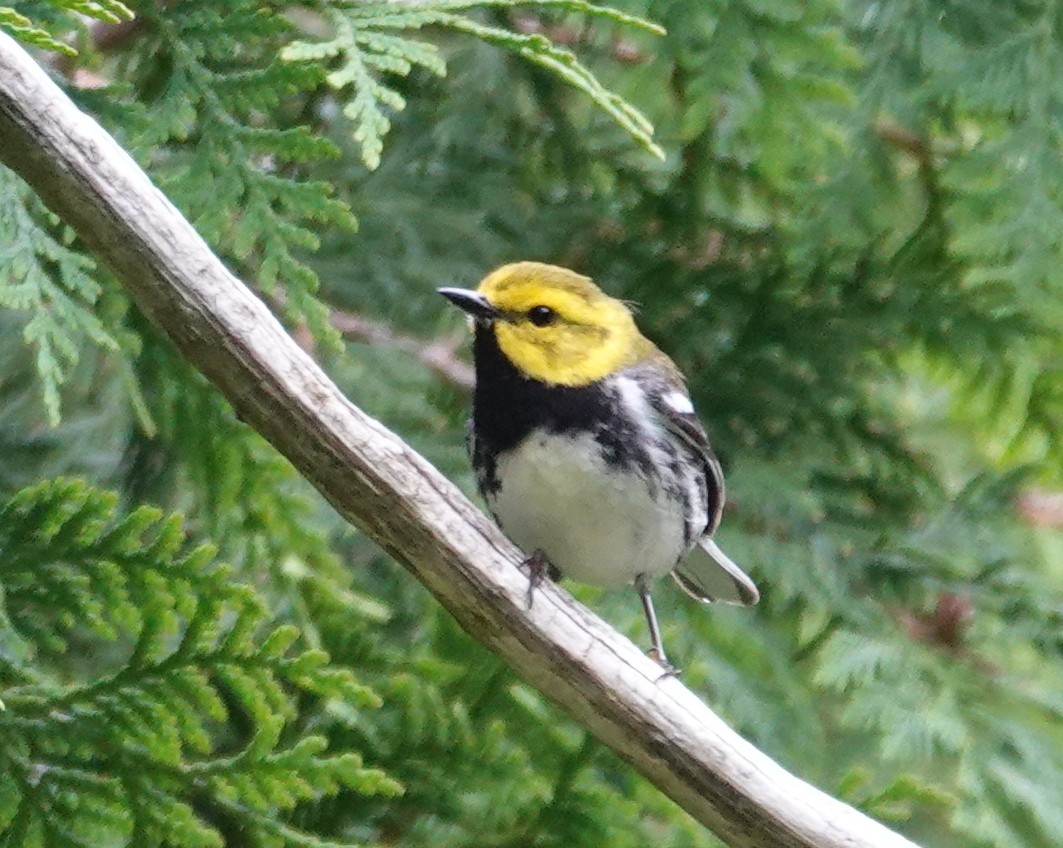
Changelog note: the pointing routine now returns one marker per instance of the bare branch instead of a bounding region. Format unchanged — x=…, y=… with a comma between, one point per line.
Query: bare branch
x=1040, y=507
x=437, y=355
x=394, y=495
x=915, y=145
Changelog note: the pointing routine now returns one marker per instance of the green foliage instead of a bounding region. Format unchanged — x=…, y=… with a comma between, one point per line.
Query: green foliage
x=454, y=716
x=250, y=501
x=849, y=247
x=205, y=75
x=799, y=259
x=25, y=29
x=366, y=46
x=51, y=282
x=188, y=727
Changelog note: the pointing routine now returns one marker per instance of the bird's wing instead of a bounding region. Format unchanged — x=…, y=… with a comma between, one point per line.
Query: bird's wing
x=669, y=399
x=706, y=573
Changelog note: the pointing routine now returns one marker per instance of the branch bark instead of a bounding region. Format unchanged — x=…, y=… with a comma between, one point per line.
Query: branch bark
x=393, y=495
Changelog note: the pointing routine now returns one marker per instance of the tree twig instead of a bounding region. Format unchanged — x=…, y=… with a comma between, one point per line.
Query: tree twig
x=437, y=355
x=390, y=492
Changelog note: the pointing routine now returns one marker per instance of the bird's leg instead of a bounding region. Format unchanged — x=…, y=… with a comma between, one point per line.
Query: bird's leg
x=539, y=569
x=642, y=585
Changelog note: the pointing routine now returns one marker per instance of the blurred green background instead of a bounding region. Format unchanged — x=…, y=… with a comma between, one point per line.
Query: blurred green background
x=852, y=247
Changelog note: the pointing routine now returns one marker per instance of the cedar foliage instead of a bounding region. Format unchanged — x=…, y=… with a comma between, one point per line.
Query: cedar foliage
x=851, y=246
x=146, y=698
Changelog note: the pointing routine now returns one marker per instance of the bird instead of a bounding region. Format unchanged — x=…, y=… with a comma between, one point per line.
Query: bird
x=585, y=443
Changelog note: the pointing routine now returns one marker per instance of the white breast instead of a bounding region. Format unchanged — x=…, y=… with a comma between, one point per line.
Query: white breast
x=598, y=525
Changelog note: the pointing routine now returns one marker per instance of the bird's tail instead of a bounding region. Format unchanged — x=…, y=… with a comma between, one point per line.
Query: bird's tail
x=708, y=574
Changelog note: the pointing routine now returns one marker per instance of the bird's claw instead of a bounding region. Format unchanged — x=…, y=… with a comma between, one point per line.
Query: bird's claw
x=538, y=570
x=668, y=669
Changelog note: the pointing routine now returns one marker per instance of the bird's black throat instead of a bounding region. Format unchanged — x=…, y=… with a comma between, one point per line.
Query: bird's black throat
x=508, y=406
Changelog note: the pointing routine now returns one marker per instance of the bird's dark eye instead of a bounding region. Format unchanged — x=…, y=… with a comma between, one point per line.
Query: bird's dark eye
x=542, y=316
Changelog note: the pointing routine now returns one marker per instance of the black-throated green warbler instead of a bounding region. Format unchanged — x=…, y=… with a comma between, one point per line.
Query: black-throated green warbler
x=585, y=443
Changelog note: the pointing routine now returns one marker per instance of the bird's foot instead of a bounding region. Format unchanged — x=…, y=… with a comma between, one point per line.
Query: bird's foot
x=661, y=660
x=538, y=570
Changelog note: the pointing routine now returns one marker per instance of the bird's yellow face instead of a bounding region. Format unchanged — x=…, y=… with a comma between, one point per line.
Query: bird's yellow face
x=556, y=326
